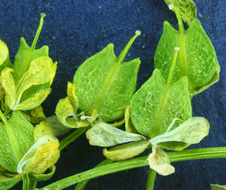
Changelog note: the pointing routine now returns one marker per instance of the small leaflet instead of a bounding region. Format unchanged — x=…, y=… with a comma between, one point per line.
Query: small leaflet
x=66, y=115
x=126, y=151
x=159, y=161
x=192, y=131
x=104, y=135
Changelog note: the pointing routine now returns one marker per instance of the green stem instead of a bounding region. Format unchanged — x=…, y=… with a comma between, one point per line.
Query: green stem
x=190, y=154
x=29, y=183
x=81, y=185
x=38, y=31
x=127, y=47
x=180, y=22
x=151, y=180
x=71, y=137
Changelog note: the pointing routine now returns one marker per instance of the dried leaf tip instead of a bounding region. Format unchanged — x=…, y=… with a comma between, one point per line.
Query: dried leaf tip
x=138, y=32
x=43, y=15
x=171, y=6
x=176, y=48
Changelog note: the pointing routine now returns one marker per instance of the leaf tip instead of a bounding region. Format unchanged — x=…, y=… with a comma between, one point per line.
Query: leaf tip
x=171, y=6
x=138, y=32
x=43, y=15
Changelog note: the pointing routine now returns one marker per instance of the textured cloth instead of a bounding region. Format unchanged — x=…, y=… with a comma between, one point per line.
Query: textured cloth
x=76, y=29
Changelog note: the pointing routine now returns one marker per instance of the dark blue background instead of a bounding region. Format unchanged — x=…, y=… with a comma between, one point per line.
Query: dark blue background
x=76, y=29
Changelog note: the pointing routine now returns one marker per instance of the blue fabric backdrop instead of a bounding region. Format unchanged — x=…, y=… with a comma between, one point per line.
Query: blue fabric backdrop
x=76, y=29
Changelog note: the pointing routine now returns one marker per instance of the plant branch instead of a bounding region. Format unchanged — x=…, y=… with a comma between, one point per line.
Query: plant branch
x=81, y=185
x=29, y=183
x=190, y=154
x=151, y=180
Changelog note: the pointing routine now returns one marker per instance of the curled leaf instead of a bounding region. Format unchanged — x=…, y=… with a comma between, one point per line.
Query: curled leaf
x=126, y=151
x=104, y=135
x=42, y=129
x=128, y=123
x=36, y=115
x=9, y=86
x=45, y=157
x=41, y=156
x=34, y=100
x=159, y=161
x=32, y=89
x=34, y=86
x=66, y=115
x=71, y=96
x=28, y=84
x=191, y=131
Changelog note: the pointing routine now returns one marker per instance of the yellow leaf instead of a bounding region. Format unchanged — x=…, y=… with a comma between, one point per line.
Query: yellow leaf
x=126, y=151
x=159, y=161
x=71, y=96
x=45, y=157
x=9, y=86
x=42, y=129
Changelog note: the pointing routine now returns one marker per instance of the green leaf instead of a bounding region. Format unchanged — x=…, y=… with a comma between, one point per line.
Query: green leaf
x=104, y=135
x=66, y=115
x=159, y=161
x=26, y=54
x=7, y=181
x=41, y=156
x=4, y=56
x=106, y=83
x=16, y=138
x=186, y=9
x=37, y=74
x=157, y=103
x=126, y=151
x=192, y=131
x=218, y=187
x=33, y=88
x=196, y=59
